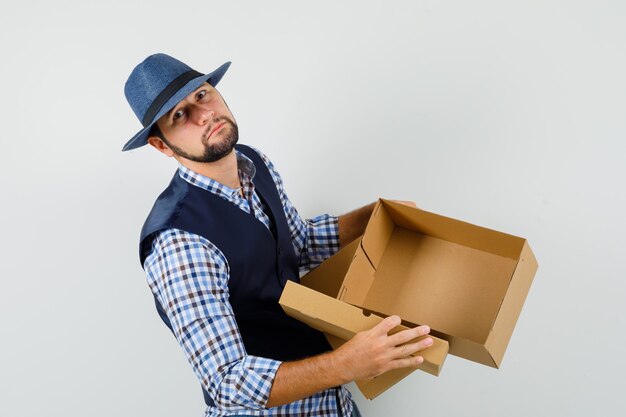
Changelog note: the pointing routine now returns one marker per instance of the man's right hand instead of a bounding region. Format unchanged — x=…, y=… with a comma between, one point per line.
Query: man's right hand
x=366, y=355
x=374, y=352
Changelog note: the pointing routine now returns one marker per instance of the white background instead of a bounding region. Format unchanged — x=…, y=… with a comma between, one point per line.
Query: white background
x=509, y=115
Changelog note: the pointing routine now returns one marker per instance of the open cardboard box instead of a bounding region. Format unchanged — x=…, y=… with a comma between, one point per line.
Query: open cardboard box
x=468, y=283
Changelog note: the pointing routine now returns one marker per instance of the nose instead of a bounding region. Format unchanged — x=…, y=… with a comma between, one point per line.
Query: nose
x=202, y=115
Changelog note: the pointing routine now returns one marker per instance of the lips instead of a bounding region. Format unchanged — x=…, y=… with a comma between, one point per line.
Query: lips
x=215, y=129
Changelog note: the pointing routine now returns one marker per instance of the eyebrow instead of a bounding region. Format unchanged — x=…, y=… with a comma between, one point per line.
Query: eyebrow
x=203, y=86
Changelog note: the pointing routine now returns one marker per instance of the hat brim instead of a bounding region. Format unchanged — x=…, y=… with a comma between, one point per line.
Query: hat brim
x=141, y=138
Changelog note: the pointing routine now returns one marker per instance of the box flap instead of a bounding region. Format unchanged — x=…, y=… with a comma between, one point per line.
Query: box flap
x=511, y=307
x=343, y=320
x=328, y=277
x=377, y=234
x=324, y=313
x=358, y=279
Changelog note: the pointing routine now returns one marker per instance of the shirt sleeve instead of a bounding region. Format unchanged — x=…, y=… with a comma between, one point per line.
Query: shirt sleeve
x=314, y=240
x=189, y=277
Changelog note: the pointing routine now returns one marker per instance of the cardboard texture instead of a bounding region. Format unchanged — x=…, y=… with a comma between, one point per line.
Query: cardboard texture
x=468, y=283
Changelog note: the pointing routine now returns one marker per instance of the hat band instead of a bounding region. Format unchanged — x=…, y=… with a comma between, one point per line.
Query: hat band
x=167, y=93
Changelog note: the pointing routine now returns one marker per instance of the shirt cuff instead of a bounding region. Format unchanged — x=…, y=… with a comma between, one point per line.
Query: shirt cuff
x=250, y=385
x=322, y=241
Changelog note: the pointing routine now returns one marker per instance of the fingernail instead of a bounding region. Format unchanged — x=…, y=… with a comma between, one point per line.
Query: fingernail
x=425, y=329
x=428, y=341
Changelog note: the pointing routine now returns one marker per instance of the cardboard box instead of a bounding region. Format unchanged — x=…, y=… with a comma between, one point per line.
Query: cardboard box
x=468, y=283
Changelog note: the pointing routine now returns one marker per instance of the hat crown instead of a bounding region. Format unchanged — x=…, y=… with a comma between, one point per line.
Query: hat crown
x=149, y=79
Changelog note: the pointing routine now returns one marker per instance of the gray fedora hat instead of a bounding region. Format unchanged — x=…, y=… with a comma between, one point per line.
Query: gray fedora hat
x=158, y=84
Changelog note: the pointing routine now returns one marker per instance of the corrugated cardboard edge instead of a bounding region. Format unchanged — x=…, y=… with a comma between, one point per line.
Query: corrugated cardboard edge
x=343, y=320
x=512, y=304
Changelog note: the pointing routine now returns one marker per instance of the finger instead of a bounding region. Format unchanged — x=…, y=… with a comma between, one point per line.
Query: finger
x=411, y=362
x=410, y=348
x=407, y=335
x=387, y=324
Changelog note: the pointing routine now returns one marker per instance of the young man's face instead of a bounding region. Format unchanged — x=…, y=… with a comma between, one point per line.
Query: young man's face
x=200, y=128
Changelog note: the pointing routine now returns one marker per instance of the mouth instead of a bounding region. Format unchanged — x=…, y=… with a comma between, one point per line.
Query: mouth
x=216, y=129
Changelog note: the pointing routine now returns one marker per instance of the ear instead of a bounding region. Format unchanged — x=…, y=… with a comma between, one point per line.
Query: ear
x=160, y=146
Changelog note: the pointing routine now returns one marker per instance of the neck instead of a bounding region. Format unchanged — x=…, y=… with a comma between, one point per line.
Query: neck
x=223, y=171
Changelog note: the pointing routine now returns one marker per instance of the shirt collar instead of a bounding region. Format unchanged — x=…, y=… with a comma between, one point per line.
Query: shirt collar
x=245, y=166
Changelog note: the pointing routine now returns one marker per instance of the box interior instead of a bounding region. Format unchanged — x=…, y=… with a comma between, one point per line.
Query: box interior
x=432, y=270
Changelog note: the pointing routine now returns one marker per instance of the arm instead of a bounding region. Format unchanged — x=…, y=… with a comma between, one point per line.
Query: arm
x=366, y=355
x=352, y=225
x=189, y=277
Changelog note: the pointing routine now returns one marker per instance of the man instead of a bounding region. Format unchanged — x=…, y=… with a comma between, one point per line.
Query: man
x=218, y=247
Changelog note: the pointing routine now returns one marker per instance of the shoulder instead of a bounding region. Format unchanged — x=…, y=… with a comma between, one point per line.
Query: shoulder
x=165, y=206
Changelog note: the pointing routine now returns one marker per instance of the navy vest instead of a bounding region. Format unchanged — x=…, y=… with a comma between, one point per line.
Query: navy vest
x=261, y=261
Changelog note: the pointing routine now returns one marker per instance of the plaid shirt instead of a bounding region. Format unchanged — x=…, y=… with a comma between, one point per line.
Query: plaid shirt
x=189, y=276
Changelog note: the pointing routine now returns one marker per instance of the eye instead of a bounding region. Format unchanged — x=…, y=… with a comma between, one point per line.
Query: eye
x=201, y=95
x=178, y=114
